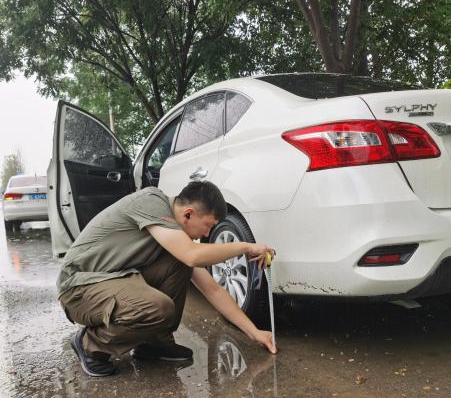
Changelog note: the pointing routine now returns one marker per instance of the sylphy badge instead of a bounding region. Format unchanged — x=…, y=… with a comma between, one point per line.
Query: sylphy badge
x=413, y=110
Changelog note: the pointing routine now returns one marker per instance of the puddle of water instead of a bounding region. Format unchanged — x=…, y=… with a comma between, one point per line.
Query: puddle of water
x=34, y=341
x=4, y=258
x=6, y=362
x=26, y=257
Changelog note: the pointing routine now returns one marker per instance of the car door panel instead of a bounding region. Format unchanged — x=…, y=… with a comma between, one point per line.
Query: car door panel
x=176, y=172
x=195, y=149
x=92, y=190
x=89, y=171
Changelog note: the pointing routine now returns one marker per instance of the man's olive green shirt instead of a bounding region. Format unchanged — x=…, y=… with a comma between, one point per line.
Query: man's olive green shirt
x=115, y=242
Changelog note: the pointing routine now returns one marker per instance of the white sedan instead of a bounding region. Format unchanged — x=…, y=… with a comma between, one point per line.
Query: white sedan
x=348, y=178
x=25, y=199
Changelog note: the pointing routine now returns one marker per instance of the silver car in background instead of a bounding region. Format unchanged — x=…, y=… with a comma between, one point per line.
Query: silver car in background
x=25, y=199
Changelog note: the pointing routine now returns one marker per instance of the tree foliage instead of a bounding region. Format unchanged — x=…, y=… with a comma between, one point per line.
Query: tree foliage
x=12, y=165
x=267, y=37
x=100, y=94
x=409, y=40
x=138, y=58
x=154, y=47
x=397, y=39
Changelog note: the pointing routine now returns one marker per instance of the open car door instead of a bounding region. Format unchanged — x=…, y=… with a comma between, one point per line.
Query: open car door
x=89, y=171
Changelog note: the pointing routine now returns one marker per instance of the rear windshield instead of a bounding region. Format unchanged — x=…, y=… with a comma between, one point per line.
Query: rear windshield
x=316, y=86
x=27, y=181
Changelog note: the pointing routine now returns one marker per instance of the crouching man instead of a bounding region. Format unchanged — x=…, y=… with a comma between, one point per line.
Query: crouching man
x=126, y=276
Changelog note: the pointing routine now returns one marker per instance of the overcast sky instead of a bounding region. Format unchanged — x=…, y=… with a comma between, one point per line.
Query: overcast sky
x=26, y=124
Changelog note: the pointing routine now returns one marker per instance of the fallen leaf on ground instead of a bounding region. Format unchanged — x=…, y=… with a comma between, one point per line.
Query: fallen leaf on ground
x=360, y=379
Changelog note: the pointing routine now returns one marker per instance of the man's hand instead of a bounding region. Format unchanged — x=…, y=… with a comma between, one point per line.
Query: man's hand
x=264, y=338
x=257, y=252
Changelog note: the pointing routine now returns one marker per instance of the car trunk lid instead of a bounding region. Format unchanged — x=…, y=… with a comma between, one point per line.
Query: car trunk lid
x=430, y=179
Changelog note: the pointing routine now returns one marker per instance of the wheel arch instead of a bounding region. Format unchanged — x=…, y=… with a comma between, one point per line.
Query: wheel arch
x=231, y=209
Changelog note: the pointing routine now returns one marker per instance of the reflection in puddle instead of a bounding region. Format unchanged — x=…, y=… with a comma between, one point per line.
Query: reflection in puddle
x=24, y=253
x=234, y=370
x=222, y=366
x=231, y=362
x=6, y=363
x=4, y=258
x=15, y=261
x=194, y=377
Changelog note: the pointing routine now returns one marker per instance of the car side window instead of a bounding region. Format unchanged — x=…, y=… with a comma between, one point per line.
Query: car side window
x=161, y=148
x=202, y=121
x=86, y=141
x=236, y=106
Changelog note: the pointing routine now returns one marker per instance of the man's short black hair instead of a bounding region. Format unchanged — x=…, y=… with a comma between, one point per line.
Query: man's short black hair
x=206, y=195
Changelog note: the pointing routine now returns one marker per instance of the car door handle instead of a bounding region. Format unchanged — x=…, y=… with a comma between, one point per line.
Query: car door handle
x=113, y=176
x=198, y=174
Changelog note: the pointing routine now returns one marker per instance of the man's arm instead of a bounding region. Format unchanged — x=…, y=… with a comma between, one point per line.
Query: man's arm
x=224, y=303
x=179, y=244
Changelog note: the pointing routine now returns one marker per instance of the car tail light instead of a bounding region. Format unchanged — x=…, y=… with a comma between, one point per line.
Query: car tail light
x=388, y=255
x=12, y=196
x=410, y=141
x=361, y=142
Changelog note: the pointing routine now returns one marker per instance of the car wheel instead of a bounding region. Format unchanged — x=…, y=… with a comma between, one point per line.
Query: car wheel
x=12, y=226
x=9, y=225
x=238, y=275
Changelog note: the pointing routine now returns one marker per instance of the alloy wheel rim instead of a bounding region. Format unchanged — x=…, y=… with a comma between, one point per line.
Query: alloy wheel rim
x=232, y=274
x=231, y=362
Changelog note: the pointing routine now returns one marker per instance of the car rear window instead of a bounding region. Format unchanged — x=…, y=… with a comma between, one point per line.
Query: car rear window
x=27, y=181
x=318, y=86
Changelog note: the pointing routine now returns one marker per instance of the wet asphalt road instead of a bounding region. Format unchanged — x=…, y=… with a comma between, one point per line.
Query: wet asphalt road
x=326, y=349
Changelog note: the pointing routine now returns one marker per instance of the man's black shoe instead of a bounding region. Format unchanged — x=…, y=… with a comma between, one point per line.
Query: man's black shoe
x=92, y=366
x=173, y=352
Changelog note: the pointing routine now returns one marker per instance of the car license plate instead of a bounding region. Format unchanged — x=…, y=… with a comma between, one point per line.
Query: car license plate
x=35, y=196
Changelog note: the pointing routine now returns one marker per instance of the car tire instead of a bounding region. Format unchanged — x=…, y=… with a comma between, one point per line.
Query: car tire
x=238, y=275
x=8, y=226
x=12, y=226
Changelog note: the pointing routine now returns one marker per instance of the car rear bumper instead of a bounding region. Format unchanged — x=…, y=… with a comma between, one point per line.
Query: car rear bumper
x=339, y=215
x=35, y=210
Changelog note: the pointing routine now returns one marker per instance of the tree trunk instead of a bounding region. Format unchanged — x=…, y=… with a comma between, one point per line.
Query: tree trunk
x=337, y=53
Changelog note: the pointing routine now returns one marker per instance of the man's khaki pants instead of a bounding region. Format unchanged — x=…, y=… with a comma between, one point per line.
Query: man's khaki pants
x=122, y=313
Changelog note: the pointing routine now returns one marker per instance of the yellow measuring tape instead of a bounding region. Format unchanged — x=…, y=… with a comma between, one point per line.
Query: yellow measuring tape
x=270, y=296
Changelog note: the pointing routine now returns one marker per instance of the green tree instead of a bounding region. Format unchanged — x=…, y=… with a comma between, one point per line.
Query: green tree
x=267, y=37
x=12, y=165
x=336, y=39
x=249, y=44
x=409, y=40
x=101, y=94
x=153, y=47
x=396, y=39
x=139, y=58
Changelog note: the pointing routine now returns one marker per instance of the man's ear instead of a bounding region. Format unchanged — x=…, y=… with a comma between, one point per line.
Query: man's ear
x=187, y=213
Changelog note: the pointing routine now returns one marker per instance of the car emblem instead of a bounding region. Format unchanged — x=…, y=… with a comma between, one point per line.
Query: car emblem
x=412, y=110
x=440, y=128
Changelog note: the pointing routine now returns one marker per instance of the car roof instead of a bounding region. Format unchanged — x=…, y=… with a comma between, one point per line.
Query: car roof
x=249, y=86
x=267, y=87
x=26, y=180
x=28, y=176
x=308, y=85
